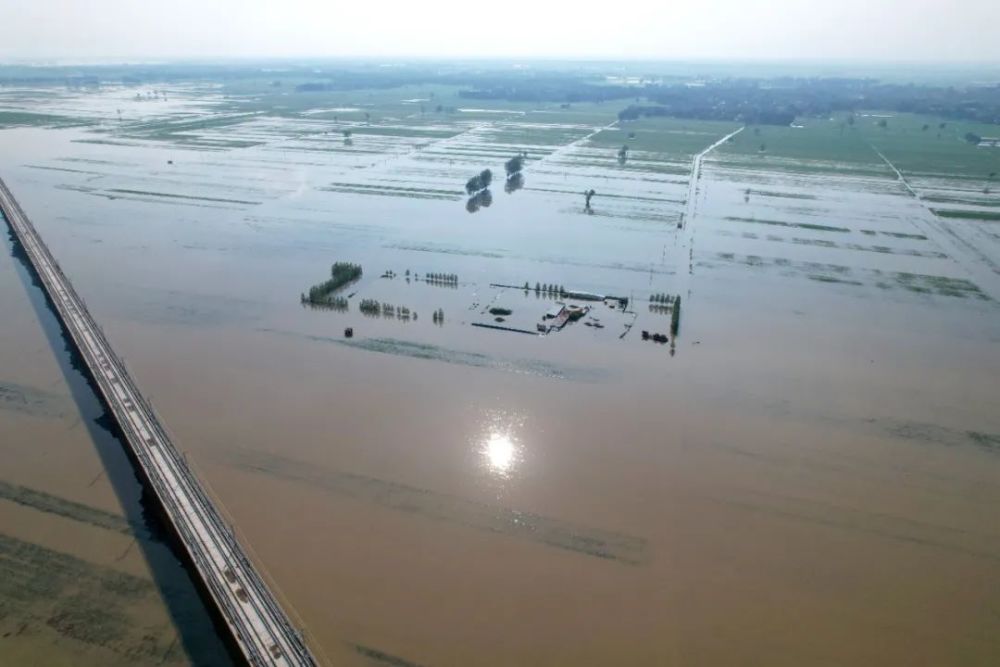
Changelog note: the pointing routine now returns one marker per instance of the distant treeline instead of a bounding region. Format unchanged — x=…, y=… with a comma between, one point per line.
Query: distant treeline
x=554, y=89
x=760, y=101
x=752, y=116
x=780, y=101
x=772, y=100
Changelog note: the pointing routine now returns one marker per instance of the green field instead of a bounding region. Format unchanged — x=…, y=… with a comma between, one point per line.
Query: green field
x=679, y=137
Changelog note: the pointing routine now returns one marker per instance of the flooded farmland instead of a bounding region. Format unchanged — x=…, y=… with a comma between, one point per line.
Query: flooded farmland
x=511, y=472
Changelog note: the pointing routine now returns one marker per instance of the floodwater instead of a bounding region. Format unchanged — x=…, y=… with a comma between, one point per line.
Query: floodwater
x=808, y=476
x=89, y=576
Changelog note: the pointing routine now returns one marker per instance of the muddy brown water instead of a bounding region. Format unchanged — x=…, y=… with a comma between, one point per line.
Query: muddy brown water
x=90, y=575
x=811, y=478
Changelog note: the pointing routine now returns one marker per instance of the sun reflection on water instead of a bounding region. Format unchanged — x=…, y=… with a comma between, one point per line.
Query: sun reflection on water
x=498, y=446
x=500, y=453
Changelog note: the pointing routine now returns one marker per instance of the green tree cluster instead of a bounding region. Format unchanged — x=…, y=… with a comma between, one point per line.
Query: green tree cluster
x=514, y=165
x=675, y=319
x=480, y=181
x=341, y=273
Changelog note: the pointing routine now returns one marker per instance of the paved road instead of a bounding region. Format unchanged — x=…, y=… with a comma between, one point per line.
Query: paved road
x=260, y=628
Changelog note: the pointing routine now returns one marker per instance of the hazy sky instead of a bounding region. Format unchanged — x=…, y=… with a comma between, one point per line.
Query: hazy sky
x=897, y=30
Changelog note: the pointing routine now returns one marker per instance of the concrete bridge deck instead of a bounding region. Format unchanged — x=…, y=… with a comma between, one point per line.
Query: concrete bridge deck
x=259, y=627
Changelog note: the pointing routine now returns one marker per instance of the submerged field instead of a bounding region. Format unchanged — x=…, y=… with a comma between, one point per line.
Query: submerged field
x=448, y=486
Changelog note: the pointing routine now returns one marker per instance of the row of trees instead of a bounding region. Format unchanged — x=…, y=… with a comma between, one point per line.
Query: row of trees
x=341, y=273
x=334, y=302
x=374, y=308
x=660, y=297
x=546, y=288
x=370, y=307
x=444, y=278
x=344, y=272
x=675, y=319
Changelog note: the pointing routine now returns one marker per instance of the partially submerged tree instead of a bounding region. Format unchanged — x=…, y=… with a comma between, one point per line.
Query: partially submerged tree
x=675, y=317
x=341, y=273
x=473, y=185
x=480, y=181
x=514, y=165
x=513, y=183
x=481, y=199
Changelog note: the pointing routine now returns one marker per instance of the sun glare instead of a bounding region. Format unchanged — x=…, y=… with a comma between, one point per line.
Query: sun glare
x=500, y=452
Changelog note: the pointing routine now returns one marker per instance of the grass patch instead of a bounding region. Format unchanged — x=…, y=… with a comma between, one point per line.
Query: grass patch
x=44, y=502
x=991, y=216
x=30, y=119
x=833, y=279
x=942, y=285
x=987, y=441
x=936, y=151
x=168, y=195
x=820, y=145
x=903, y=235
x=798, y=225
x=48, y=591
x=681, y=138
x=399, y=188
x=383, y=191
x=383, y=658
x=971, y=201
x=407, y=131
x=30, y=401
x=781, y=195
